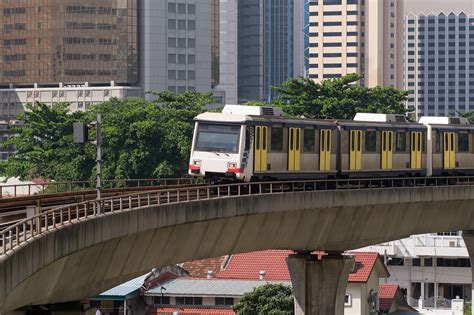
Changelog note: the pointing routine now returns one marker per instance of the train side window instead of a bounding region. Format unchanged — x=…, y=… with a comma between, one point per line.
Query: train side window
x=437, y=141
x=276, y=141
x=401, y=142
x=370, y=141
x=463, y=142
x=309, y=140
x=247, y=138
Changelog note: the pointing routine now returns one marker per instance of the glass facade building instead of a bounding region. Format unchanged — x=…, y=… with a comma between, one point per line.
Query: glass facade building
x=278, y=49
x=68, y=41
x=265, y=47
x=439, y=61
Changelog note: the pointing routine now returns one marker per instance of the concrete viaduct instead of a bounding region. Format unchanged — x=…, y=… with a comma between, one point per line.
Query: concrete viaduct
x=78, y=251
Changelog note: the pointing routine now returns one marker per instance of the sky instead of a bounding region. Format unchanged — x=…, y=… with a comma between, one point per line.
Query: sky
x=437, y=6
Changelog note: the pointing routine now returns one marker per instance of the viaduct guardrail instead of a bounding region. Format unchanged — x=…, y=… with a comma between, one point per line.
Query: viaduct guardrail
x=32, y=189
x=22, y=232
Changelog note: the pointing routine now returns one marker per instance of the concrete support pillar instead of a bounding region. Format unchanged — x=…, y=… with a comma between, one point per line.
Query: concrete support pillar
x=468, y=237
x=319, y=286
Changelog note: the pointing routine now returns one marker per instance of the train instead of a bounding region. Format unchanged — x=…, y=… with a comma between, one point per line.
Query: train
x=252, y=143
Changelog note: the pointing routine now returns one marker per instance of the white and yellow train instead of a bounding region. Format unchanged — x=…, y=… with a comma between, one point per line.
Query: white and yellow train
x=249, y=143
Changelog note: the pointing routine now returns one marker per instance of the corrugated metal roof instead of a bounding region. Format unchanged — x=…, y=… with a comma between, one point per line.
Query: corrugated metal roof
x=125, y=288
x=209, y=287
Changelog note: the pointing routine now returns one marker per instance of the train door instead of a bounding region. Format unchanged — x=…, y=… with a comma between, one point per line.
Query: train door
x=261, y=148
x=294, y=149
x=387, y=150
x=325, y=137
x=416, y=148
x=449, y=155
x=355, y=148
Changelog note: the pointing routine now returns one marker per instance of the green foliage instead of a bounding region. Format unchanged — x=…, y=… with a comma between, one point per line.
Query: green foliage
x=467, y=309
x=468, y=115
x=44, y=145
x=267, y=299
x=339, y=98
x=141, y=139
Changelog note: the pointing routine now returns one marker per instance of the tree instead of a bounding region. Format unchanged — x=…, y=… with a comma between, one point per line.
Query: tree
x=468, y=115
x=338, y=98
x=44, y=145
x=141, y=139
x=267, y=299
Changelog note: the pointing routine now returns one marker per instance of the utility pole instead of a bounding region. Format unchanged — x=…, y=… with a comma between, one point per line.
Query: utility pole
x=81, y=135
x=98, y=144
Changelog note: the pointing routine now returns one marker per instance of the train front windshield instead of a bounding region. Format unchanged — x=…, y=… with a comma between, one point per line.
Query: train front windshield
x=218, y=138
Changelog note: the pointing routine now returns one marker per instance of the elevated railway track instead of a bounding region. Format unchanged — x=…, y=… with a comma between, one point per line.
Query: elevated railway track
x=18, y=202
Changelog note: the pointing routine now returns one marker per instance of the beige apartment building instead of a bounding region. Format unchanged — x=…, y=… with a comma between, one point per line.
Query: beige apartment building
x=357, y=36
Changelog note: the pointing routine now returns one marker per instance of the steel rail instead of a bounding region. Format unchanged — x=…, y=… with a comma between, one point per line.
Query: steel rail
x=26, y=190
x=20, y=233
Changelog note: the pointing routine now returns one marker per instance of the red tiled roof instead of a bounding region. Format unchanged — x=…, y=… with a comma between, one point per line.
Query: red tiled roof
x=248, y=265
x=273, y=262
x=189, y=311
x=364, y=264
x=387, y=293
x=199, y=268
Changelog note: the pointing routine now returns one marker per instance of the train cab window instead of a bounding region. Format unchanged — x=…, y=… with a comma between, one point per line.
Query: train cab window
x=463, y=142
x=218, y=138
x=276, y=139
x=401, y=142
x=370, y=141
x=309, y=140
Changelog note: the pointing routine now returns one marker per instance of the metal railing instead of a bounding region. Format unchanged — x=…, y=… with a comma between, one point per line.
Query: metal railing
x=21, y=232
x=32, y=189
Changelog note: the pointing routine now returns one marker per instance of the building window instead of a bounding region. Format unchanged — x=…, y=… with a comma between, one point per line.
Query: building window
x=191, y=9
x=188, y=300
x=348, y=300
x=161, y=300
x=224, y=301
x=395, y=262
x=171, y=24
x=181, y=8
x=171, y=7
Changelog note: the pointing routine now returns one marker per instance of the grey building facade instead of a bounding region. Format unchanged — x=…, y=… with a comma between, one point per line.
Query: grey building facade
x=270, y=45
x=440, y=63
x=439, y=57
x=175, y=45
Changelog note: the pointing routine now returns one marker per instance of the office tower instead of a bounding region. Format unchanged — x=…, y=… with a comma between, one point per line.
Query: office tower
x=439, y=57
x=51, y=41
x=176, y=45
x=261, y=46
x=357, y=36
x=66, y=51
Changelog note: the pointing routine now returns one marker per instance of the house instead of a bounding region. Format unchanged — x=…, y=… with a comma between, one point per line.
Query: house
x=241, y=273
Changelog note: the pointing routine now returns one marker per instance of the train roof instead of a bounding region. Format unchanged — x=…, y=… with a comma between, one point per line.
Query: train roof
x=270, y=116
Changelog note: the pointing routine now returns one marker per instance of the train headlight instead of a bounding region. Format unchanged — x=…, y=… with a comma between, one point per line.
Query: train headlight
x=231, y=165
x=197, y=162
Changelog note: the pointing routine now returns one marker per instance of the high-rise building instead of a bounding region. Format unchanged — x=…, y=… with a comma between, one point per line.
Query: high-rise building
x=51, y=41
x=177, y=42
x=357, y=36
x=55, y=51
x=262, y=45
x=439, y=57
